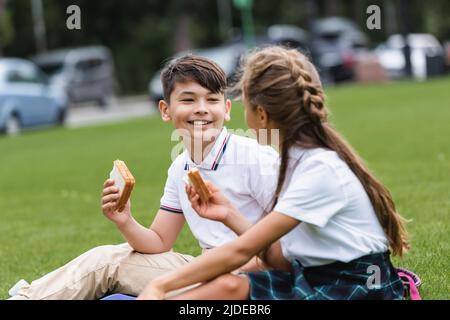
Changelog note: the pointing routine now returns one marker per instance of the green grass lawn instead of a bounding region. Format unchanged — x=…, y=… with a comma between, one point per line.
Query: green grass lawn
x=51, y=180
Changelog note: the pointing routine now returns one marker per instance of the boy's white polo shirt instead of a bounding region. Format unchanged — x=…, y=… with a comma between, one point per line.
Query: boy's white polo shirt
x=338, y=222
x=244, y=170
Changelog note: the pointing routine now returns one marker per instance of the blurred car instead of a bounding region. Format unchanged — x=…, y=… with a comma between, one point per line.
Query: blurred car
x=287, y=35
x=427, y=55
x=226, y=56
x=26, y=98
x=335, y=43
x=82, y=74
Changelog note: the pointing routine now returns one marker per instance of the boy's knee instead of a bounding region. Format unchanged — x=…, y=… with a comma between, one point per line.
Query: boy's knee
x=109, y=254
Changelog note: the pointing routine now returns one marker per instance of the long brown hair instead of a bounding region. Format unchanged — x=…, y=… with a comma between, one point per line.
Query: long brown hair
x=287, y=86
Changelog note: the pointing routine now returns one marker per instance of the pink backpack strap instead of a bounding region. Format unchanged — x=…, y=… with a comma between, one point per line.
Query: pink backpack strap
x=413, y=291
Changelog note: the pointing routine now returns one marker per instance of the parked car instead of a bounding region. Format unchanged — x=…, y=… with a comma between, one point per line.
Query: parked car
x=26, y=98
x=335, y=43
x=287, y=35
x=226, y=56
x=427, y=55
x=82, y=74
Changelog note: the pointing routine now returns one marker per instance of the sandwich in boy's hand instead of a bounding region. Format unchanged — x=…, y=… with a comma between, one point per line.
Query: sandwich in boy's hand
x=124, y=181
x=195, y=180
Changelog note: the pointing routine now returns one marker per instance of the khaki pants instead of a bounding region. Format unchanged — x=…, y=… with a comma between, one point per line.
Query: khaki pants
x=103, y=270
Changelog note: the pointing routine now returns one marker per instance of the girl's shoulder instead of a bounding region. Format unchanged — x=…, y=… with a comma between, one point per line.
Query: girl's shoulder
x=320, y=157
x=321, y=169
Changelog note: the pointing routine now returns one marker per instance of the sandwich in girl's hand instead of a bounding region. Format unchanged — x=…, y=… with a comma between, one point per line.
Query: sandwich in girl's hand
x=195, y=180
x=124, y=181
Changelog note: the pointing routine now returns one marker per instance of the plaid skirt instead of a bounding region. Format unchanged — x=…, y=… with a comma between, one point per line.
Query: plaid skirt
x=355, y=280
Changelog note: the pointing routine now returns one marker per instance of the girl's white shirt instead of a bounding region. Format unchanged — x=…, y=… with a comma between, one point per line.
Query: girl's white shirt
x=338, y=222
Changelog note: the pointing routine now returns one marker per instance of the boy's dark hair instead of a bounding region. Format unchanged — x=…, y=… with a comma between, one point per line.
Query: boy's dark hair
x=190, y=67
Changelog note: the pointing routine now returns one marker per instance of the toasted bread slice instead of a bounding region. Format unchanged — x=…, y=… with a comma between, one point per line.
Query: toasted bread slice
x=124, y=180
x=196, y=180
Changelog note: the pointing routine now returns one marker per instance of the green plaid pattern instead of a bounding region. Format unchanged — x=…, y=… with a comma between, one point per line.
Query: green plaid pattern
x=336, y=281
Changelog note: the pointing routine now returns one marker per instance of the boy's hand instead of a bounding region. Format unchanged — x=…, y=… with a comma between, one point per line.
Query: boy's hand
x=110, y=196
x=217, y=208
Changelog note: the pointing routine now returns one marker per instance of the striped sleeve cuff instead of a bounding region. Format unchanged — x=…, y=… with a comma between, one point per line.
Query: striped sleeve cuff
x=170, y=209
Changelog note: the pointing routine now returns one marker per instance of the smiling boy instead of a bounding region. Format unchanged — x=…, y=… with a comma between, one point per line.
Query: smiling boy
x=195, y=103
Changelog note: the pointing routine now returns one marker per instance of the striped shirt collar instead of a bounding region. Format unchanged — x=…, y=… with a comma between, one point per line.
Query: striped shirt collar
x=215, y=155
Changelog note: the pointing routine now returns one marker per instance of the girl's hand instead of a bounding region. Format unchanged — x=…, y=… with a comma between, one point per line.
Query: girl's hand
x=151, y=292
x=217, y=208
x=110, y=196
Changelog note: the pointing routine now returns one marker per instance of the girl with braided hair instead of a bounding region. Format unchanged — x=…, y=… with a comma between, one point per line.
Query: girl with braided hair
x=332, y=224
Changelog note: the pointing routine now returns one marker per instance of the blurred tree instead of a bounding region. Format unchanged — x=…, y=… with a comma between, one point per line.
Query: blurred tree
x=358, y=7
x=144, y=33
x=6, y=29
x=390, y=22
x=224, y=10
x=39, y=28
x=310, y=9
x=246, y=8
x=331, y=7
x=437, y=19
